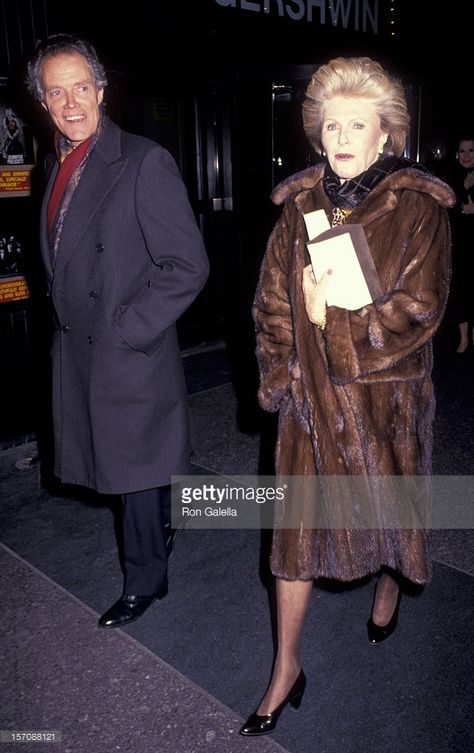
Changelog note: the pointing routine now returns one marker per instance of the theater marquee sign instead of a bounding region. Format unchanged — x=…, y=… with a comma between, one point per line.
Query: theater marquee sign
x=359, y=15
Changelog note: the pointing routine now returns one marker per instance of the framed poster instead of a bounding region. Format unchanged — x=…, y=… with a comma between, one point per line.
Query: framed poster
x=16, y=153
x=13, y=285
x=17, y=160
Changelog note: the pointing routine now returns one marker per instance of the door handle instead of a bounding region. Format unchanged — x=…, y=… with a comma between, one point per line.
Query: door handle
x=218, y=204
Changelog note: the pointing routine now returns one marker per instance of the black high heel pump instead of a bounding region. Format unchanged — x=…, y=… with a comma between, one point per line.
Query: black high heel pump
x=258, y=724
x=379, y=633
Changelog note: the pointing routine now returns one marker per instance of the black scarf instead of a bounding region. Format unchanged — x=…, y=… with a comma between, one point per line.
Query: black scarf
x=349, y=194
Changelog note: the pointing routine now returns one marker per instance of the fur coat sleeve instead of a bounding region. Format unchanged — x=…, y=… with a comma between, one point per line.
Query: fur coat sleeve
x=379, y=337
x=273, y=318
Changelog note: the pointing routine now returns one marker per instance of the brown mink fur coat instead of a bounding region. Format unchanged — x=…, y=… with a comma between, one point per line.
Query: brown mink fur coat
x=356, y=399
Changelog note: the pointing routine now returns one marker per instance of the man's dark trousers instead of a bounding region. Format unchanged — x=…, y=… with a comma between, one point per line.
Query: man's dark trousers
x=146, y=520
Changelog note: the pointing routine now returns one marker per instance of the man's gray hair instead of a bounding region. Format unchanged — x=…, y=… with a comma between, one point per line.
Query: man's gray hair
x=62, y=44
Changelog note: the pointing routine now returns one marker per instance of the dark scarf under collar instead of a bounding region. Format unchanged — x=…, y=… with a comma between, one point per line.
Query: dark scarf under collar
x=349, y=194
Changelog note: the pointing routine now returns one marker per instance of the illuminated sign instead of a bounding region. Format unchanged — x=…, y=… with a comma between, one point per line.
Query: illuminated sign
x=15, y=181
x=360, y=15
x=13, y=289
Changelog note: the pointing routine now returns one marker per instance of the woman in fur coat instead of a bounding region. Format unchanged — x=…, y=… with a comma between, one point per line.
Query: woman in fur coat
x=353, y=387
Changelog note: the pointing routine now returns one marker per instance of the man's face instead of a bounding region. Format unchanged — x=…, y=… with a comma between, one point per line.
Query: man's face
x=70, y=95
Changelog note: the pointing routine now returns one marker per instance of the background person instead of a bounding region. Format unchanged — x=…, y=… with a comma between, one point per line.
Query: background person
x=124, y=259
x=461, y=301
x=353, y=388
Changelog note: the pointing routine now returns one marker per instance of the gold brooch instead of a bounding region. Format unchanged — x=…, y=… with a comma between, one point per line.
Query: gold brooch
x=339, y=216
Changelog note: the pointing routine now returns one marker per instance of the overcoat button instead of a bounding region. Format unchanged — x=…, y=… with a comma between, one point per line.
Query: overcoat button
x=65, y=329
x=90, y=340
x=99, y=248
x=93, y=294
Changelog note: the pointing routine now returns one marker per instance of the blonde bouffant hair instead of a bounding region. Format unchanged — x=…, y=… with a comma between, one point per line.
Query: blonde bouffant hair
x=358, y=77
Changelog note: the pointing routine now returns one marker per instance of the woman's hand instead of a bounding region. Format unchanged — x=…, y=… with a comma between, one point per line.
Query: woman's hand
x=314, y=294
x=468, y=208
x=469, y=181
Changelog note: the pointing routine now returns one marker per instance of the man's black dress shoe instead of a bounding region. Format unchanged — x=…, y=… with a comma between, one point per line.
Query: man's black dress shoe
x=378, y=633
x=127, y=609
x=258, y=724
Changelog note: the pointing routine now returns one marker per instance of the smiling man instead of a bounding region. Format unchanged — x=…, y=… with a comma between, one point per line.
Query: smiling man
x=124, y=259
x=71, y=96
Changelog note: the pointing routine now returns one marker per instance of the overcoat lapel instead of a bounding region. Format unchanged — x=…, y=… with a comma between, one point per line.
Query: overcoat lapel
x=104, y=167
x=97, y=181
x=44, y=242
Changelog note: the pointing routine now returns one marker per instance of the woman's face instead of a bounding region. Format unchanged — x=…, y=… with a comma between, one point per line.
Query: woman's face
x=466, y=154
x=351, y=136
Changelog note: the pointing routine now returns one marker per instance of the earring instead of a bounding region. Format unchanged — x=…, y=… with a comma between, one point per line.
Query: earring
x=323, y=153
x=380, y=149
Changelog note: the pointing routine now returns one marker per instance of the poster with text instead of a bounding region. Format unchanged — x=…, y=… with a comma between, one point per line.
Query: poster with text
x=16, y=154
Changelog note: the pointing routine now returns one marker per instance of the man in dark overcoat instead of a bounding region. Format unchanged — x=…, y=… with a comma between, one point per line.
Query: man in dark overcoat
x=124, y=259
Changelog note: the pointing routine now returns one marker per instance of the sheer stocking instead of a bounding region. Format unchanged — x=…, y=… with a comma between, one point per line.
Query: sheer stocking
x=292, y=602
x=463, y=342
x=386, y=595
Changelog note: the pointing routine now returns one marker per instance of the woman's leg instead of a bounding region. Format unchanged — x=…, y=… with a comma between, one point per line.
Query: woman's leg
x=463, y=341
x=385, y=601
x=292, y=601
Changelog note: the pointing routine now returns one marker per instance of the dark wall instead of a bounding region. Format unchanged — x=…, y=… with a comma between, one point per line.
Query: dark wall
x=215, y=66
x=431, y=45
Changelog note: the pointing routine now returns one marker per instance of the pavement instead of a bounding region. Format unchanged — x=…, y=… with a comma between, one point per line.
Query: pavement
x=183, y=677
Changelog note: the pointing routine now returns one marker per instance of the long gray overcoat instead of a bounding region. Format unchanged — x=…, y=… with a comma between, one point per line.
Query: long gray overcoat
x=130, y=261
